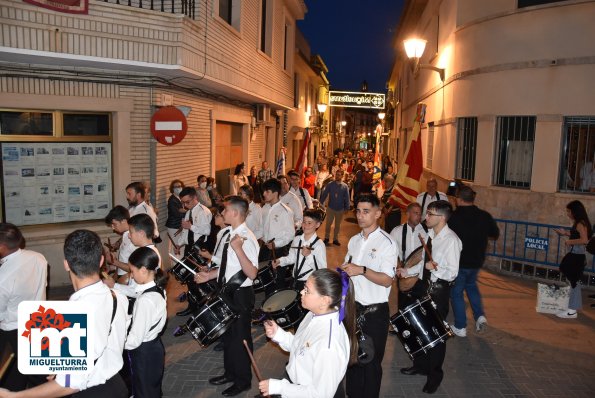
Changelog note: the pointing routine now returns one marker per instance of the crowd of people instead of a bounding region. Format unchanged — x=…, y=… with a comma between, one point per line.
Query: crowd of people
x=269, y=223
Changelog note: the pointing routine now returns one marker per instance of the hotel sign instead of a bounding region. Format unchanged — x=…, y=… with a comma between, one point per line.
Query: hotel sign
x=350, y=99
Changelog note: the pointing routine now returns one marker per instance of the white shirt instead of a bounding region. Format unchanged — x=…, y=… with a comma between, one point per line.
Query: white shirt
x=319, y=354
x=295, y=204
x=23, y=276
x=250, y=247
x=446, y=252
x=107, y=349
x=307, y=202
x=222, y=236
x=126, y=249
x=254, y=219
x=130, y=289
x=429, y=199
x=321, y=176
x=378, y=253
x=412, y=242
x=145, y=208
x=277, y=222
x=319, y=253
x=149, y=310
x=201, y=221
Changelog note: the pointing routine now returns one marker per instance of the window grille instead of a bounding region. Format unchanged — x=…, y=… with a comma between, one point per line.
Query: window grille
x=514, y=151
x=466, y=147
x=578, y=149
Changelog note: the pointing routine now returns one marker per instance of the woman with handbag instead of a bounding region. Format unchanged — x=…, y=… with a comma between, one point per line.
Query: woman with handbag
x=573, y=263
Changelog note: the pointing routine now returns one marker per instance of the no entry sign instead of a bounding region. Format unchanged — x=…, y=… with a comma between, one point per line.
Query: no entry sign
x=169, y=125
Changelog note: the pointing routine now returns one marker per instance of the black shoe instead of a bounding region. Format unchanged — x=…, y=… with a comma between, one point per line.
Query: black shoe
x=430, y=389
x=326, y=243
x=235, y=390
x=186, y=312
x=180, y=331
x=336, y=243
x=218, y=380
x=412, y=370
x=218, y=346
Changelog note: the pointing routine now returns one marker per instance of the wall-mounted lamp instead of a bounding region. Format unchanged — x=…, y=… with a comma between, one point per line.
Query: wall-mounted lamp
x=381, y=115
x=321, y=107
x=343, y=123
x=414, y=49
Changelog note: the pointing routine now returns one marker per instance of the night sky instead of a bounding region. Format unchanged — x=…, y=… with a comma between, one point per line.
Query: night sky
x=354, y=38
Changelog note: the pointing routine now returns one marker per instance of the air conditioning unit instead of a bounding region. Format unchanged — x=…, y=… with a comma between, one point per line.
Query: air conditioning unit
x=263, y=113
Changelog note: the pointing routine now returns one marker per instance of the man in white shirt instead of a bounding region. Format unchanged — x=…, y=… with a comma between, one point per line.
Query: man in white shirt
x=238, y=268
x=23, y=276
x=292, y=201
x=117, y=219
x=254, y=218
x=83, y=259
x=197, y=219
x=443, y=270
x=370, y=262
x=431, y=195
x=135, y=196
x=301, y=193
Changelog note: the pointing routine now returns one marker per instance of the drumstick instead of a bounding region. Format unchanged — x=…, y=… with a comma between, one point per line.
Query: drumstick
x=178, y=231
x=184, y=265
x=4, y=367
x=426, y=249
x=173, y=243
x=256, y=370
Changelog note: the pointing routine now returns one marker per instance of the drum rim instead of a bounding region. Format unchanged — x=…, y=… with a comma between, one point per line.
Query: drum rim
x=433, y=344
x=291, y=304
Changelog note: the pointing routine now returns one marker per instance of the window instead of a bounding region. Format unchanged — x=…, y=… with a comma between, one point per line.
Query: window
x=286, y=52
x=430, y=148
x=296, y=91
x=576, y=166
x=266, y=26
x=466, y=148
x=86, y=124
x=26, y=123
x=229, y=11
x=514, y=151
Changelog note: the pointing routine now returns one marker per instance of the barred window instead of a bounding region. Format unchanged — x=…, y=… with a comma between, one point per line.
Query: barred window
x=466, y=148
x=514, y=151
x=430, y=147
x=576, y=163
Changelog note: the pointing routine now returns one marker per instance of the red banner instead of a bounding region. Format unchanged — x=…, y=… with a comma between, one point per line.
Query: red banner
x=69, y=6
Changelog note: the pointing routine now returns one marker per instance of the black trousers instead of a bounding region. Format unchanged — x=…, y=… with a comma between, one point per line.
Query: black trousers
x=236, y=361
x=364, y=380
x=431, y=362
x=14, y=380
x=113, y=388
x=147, y=363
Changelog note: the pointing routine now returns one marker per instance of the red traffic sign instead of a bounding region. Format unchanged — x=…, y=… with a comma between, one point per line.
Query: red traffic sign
x=169, y=125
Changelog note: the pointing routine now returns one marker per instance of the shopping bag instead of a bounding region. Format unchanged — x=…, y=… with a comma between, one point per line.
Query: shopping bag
x=552, y=299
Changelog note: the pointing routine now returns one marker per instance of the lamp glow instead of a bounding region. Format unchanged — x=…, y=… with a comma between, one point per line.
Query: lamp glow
x=415, y=47
x=321, y=107
x=381, y=115
x=343, y=123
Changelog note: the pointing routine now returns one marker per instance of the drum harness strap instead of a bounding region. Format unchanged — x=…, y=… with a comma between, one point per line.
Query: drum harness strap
x=156, y=289
x=296, y=271
x=114, y=307
x=403, y=239
x=217, y=247
x=234, y=283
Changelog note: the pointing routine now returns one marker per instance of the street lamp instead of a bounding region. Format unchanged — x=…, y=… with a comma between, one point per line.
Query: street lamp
x=414, y=49
x=321, y=107
x=381, y=116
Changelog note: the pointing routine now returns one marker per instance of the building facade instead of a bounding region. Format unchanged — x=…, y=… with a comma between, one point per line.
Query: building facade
x=78, y=84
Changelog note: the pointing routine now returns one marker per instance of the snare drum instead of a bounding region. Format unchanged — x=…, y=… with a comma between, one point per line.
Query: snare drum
x=181, y=273
x=284, y=307
x=265, y=279
x=213, y=319
x=420, y=327
x=198, y=293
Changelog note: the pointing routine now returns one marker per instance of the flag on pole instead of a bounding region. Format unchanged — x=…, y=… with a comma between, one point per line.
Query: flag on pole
x=302, y=161
x=280, y=170
x=377, y=165
x=408, y=182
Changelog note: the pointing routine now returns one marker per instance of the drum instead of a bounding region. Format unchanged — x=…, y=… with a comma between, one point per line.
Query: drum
x=198, y=293
x=284, y=307
x=406, y=284
x=265, y=277
x=211, y=321
x=420, y=327
x=182, y=273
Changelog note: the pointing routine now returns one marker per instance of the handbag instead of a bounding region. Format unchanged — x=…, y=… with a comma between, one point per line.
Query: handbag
x=552, y=299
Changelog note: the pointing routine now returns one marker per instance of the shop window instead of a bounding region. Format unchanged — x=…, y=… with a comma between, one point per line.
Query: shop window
x=26, y=123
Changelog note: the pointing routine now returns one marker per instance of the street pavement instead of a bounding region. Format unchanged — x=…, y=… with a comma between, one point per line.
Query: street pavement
x=521, y=354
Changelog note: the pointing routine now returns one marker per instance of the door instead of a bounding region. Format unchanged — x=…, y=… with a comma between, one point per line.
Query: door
x=228, y=154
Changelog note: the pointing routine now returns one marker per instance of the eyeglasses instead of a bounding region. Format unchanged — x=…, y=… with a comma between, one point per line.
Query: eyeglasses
x=433, y=214
x=306, y=291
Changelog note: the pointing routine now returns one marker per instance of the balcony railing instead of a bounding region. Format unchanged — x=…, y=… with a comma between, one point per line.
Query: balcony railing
x=186, y=7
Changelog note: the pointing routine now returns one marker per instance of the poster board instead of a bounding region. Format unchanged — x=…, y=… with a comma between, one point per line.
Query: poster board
x=56, y=182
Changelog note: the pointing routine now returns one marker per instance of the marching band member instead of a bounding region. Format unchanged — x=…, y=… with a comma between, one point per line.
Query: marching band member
x=238, y=268
x=302, y=193
x=370, y=261
x=323, y=345
x=307, y=253
x=254, y=219
x=277, y=221
x=292, y=201
x=135, y=196
x=446, y=252
x=146, y=351
x=117, y=219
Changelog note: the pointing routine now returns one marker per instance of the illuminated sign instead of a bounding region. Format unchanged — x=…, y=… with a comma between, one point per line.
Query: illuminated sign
x=350, y=99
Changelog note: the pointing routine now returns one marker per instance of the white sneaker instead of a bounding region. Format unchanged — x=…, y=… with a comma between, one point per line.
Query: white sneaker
x=459, y=332
x=567, y=314
x=480, y=324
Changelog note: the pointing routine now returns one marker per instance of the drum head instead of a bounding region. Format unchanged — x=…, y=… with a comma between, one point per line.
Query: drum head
x=279, y=300
x=414, y=258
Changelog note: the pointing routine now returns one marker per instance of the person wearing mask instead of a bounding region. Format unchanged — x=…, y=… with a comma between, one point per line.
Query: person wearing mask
x=175, y=215
x=202, y=194
x=23, y=276
x=337, y=193
x=216, y=197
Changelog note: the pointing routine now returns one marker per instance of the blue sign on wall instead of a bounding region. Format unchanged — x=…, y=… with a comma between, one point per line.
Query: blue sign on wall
x=537, y=243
